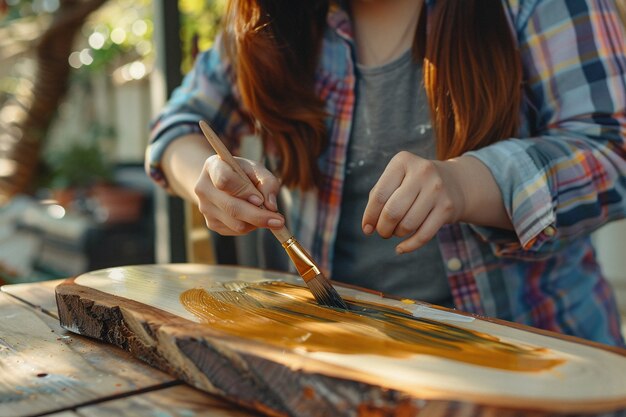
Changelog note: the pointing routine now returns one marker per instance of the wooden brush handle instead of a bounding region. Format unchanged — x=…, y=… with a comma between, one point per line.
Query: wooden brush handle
x=282, y=234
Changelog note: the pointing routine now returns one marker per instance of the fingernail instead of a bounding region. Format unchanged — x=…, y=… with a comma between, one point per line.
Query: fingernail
x=368, y=229
x=274, y=223
x=399, y=250
x=272, y=198
x=255, y=199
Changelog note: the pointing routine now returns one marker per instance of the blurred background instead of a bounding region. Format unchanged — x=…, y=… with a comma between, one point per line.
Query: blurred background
x=79, y=82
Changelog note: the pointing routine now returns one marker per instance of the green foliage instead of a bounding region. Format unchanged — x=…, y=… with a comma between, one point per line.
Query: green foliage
x=103, y=57
x=200, y=23
x=81, y=164
x=120, y=32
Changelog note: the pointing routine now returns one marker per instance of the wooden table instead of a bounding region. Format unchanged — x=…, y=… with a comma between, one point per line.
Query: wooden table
x=45, y=370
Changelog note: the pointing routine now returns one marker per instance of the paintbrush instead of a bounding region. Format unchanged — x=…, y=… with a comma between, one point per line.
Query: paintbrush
x=319, y=286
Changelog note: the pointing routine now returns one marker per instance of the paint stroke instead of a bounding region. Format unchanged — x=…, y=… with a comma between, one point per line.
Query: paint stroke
x=286, y=316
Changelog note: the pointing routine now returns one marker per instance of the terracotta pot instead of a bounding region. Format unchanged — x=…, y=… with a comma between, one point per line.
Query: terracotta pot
x=64, y=196
x=116, y=204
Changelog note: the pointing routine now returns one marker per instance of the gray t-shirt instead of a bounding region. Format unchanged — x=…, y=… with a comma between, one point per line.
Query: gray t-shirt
x=391, y=115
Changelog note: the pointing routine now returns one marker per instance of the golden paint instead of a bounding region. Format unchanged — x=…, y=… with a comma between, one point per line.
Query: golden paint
x=286, y=316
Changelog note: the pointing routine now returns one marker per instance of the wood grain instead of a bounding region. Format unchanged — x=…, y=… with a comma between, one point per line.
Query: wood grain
x=37, y=294
x=295, y=383
x=179, y=401
x=176, y=401
x=44, y=368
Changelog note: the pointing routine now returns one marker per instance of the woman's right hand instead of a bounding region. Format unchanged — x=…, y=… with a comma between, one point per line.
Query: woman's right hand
x=230, y=206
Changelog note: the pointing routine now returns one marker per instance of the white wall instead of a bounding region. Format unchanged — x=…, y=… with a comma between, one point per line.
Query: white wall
x=123, y=106
x=132, y=116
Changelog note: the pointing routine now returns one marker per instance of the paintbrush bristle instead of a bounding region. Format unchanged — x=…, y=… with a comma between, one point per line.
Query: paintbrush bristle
x=324, y=293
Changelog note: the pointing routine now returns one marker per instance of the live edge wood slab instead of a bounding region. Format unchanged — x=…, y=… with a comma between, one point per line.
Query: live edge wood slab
x=258, y=339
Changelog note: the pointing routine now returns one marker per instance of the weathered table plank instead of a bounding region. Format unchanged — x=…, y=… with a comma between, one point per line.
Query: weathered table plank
x=37, y=294
x=179, y=401
x=44, y=368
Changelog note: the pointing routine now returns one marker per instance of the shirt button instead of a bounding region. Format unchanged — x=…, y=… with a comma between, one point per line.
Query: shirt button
x=454, y=264
x=549, y=231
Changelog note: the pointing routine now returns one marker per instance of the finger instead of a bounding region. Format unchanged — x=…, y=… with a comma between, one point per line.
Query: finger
x=264, y=181
x=415, y=216
x=219, y=227
x=429, y=228
x=215, y=217
x=235, y=213
x=203, y=187
x=396, y=208
x=388, y=182
x=231, y=227
x=210, y=211
x=225, y=179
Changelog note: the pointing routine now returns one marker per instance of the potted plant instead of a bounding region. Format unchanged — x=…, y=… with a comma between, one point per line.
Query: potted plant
x=82, y=177
x=75, y=170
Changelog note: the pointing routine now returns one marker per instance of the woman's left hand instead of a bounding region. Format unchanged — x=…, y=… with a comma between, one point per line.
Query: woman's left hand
x=414, y=197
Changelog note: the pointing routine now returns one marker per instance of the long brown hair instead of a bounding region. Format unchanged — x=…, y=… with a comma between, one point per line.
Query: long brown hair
x=472, y=76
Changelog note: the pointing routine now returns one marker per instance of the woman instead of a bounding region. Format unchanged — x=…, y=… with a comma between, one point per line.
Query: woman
x=490, y=196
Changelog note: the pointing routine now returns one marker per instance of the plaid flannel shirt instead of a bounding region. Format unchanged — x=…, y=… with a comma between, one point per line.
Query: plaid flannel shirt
x=561, y=178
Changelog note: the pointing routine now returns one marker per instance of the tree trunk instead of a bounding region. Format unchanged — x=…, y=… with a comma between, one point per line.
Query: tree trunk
x=21, y=140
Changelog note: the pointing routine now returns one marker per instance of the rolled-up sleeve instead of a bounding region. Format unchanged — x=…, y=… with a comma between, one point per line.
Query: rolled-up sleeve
x=569, y=178
x=207, y=93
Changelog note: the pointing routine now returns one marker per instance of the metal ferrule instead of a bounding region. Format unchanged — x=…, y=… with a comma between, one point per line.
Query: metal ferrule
x=301, y=259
